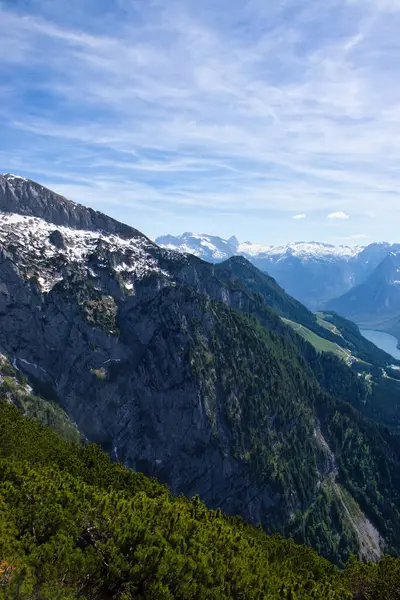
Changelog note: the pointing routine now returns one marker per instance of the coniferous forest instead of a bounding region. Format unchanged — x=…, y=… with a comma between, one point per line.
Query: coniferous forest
x=75, y=525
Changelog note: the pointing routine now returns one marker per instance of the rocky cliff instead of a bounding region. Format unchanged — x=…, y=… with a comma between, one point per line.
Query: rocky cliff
x=175, y=368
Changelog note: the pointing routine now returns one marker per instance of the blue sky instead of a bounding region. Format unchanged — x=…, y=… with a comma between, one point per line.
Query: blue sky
x=274, y=121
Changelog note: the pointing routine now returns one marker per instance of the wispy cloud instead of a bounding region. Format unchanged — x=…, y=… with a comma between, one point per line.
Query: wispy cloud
x=338, y=215
x=190, y=110
x=355, y=237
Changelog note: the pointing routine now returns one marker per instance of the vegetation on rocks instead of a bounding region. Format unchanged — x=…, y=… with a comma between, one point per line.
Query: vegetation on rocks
x=74, y=525
x=102, y=313
x=15, y=389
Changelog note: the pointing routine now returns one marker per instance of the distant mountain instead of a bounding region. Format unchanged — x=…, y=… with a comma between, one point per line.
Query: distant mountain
x=216, y=249
x=208, y=247
x=209, y=377
x=313, y=272
x=375, y=303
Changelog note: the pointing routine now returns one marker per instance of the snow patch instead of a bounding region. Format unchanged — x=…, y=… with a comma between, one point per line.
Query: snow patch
x=111, y=360
x=37, y=256
x=26, y=362
x=10, y=176
x=304, y=250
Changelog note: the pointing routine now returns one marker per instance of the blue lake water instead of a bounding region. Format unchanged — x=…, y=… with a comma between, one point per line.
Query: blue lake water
x=383, y=340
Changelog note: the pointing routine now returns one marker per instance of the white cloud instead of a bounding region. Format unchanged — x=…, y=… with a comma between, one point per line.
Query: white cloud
x=299, y=216
x=338, y=215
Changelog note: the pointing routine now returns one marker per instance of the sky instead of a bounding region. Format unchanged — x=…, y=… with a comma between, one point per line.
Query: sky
x=272, y=121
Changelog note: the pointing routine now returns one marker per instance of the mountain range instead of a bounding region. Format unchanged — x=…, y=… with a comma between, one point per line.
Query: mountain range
x=209, y=377
x=352, y=280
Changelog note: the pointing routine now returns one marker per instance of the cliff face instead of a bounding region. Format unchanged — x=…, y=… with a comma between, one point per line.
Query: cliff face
x=121, y=355
x=122, y=332
x=176, y=368
x=26, y=197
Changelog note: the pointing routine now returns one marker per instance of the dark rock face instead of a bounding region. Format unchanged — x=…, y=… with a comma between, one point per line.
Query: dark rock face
x=124, y=333
x=129, y=385
x=26, y=197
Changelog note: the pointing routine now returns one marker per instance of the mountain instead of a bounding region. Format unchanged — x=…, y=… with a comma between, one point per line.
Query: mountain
x=25, y=197
x=208, y=247
x=375, y=303
x=216, y=249
x=314, y=273
x=209, y=377
x=75, y=525
x=325, y=326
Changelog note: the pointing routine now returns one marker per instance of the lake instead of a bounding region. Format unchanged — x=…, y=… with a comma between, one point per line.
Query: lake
x=383, y=340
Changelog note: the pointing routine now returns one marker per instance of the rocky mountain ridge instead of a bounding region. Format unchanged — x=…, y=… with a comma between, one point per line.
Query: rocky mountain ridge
x=185, y=370
x=26, y=197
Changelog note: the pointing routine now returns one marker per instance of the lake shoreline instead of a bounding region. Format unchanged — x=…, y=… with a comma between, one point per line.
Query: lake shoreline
x=383, y=340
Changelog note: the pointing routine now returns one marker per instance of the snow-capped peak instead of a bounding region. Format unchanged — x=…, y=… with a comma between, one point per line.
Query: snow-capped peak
x=207, y=247
x=10, y=177
x=32, y=199
x=214, y=248
x=303, y=250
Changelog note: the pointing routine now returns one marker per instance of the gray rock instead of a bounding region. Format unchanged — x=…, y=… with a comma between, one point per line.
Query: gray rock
x=27, y=197
x=56, y=238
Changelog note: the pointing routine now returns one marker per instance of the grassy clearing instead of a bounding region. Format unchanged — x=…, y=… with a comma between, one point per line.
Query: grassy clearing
x=318, y=342
x=330, y=326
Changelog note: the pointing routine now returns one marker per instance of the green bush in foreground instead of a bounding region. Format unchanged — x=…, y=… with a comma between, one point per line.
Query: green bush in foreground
x=74, y=525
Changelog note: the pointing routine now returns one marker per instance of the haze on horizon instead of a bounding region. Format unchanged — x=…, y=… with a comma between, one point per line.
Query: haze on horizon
x=273, y=123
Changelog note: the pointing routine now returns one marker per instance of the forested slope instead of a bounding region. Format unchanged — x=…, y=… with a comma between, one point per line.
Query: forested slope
x=74, y=525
